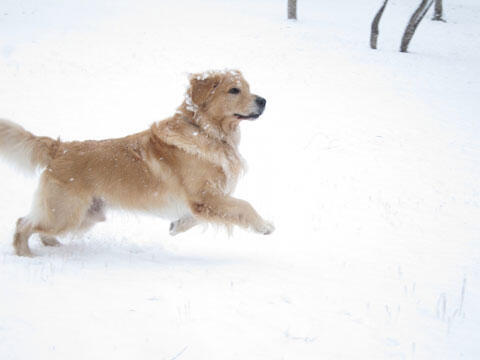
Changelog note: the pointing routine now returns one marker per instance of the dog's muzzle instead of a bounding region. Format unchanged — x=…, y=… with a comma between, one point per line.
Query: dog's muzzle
x=260, y=102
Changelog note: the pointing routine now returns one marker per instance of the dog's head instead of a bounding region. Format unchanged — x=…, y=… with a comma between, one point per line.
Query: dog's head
x=224, y=97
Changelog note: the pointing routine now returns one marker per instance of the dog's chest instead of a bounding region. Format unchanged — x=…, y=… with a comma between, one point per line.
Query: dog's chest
x=232, y=166
x=173, y=208
x=232, y=180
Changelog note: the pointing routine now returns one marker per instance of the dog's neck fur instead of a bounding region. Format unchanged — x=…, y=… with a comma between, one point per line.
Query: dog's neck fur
x=191, y=133
x=228, y=132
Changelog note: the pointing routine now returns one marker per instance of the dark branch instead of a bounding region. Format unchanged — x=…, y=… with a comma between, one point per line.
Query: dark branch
x=415, y=20
x=376, y=20
x=438, y=14
x=292, y=9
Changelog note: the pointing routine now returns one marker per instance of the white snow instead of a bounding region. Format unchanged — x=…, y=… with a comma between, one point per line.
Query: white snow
x=368, y=163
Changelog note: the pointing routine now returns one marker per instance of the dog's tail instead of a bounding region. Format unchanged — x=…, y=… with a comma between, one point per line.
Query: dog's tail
x=24, y=149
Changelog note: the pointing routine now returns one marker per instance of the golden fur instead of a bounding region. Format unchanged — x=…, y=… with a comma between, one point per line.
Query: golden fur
x=183, y=168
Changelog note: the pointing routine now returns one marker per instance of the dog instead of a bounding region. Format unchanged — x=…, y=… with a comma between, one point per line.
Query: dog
x=183, y=168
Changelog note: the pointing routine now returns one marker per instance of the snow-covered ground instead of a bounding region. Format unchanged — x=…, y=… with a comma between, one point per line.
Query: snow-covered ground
x=368, y=162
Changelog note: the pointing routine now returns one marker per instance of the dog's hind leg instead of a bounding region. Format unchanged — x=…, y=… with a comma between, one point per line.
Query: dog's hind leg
x=94, y=214
x=23, y=232
x=56, y=210
x=96, y=211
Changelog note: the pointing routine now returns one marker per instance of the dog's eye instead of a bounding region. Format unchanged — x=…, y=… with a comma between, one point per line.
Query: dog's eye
x=234, y=91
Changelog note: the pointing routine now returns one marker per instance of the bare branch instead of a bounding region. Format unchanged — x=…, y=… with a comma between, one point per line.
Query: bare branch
x=292, y=9
x=415, y=20
x=376, y=20
x=438, y=14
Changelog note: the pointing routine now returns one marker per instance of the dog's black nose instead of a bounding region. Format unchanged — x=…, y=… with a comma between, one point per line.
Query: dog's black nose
x=261, y=102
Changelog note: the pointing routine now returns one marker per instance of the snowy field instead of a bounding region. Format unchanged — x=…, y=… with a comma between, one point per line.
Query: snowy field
x=368, y=163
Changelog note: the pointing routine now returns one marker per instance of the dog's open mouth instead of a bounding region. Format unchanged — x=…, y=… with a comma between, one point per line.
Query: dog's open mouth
x=251, y=116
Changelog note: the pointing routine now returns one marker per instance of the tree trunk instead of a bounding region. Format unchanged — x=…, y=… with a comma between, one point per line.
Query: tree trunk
x=375, y=22
x=438, y=14
x=292, y=9
x=416, y=18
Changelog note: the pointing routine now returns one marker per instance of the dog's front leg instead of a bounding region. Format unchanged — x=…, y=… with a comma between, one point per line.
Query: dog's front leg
x=230, y=211
x=183, y=224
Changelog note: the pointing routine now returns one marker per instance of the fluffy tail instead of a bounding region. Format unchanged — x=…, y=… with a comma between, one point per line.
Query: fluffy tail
x=24, y=149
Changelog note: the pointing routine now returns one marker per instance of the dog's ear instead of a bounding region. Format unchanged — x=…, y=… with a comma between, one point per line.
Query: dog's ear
x=202, y=87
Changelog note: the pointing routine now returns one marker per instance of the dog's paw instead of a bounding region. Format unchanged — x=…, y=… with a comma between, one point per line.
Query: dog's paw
x=181, y=225
x=173, y=230
x=24, y=252
x=50, y=241
x=266, y=228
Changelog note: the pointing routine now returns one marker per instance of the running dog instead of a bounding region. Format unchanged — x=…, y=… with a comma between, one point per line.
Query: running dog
x=183, y=168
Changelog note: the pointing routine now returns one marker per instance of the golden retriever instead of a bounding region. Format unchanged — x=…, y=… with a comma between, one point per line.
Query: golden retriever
x=183, y=168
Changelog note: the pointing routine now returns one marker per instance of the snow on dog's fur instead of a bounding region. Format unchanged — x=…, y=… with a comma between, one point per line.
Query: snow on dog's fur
x=183, y=168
